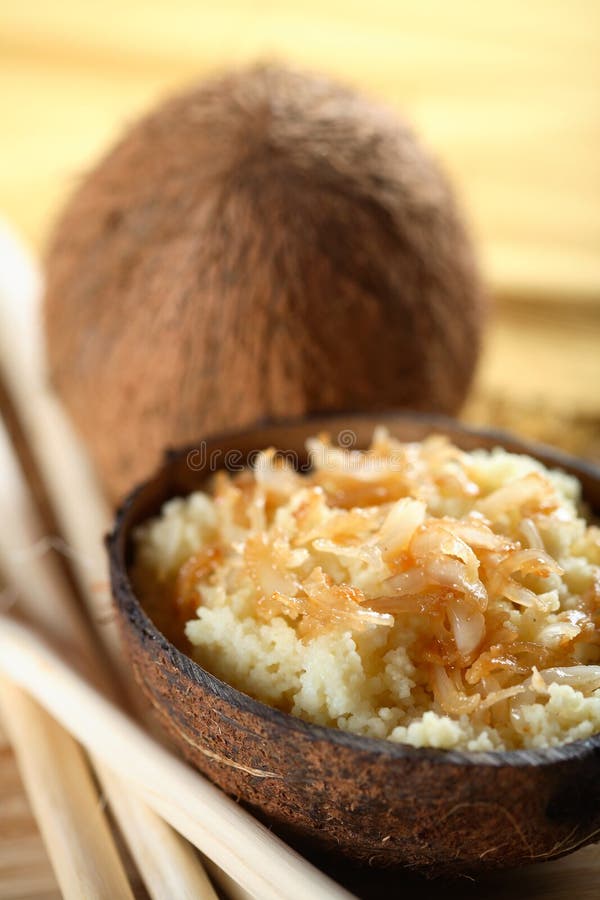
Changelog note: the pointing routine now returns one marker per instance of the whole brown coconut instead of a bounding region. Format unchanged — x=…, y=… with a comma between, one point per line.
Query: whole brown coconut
x=267, y=244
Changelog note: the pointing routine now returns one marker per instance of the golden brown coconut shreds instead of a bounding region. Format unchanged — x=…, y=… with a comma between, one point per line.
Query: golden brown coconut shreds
x=267, y=244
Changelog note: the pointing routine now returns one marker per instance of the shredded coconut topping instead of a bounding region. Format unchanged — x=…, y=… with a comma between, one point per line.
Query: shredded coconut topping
x=384, y=585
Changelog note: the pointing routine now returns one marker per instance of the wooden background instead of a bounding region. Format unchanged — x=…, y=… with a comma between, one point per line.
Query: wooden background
x=506, y=93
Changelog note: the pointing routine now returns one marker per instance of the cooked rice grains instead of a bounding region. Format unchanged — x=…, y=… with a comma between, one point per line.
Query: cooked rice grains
x=412, y=592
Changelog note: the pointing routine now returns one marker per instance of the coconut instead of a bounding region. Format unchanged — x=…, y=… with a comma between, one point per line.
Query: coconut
x=268, y=244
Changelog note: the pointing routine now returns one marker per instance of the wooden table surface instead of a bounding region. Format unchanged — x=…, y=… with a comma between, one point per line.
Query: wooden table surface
x=506, y=93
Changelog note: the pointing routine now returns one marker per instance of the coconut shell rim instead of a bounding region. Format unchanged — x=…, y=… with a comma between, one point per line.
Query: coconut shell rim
x=124, y=595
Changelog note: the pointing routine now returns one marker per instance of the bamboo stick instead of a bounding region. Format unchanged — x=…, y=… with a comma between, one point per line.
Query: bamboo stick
x=231, y=888
x=64, y=800
x=74, y=493
x=247, y=851
x=168, y=866
x=57, y=779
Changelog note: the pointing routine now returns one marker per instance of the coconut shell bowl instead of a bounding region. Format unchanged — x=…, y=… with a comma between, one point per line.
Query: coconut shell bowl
x=360, y=799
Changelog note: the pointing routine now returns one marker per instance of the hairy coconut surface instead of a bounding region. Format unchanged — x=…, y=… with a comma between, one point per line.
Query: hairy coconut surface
x=267, y=244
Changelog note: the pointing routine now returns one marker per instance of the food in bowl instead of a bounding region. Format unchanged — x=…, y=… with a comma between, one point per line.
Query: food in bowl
x=413, y=592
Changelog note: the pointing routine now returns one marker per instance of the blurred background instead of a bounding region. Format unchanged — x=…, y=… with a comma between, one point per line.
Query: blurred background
x=507, y=94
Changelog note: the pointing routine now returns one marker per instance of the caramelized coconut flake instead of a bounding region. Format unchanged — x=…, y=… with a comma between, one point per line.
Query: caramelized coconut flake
x=364, y=545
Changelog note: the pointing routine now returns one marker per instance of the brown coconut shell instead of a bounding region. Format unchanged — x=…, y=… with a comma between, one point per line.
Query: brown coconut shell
x=268, y=244
x=369, y=801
